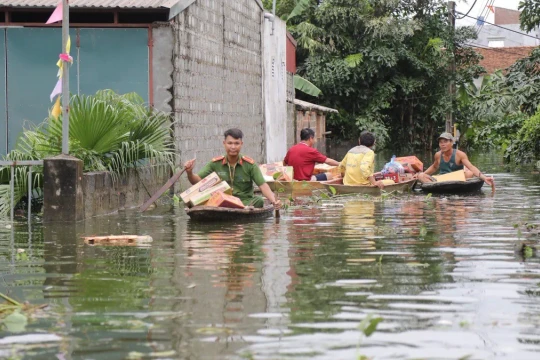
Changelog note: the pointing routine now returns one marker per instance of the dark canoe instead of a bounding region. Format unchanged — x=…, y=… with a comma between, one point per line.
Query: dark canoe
x=365, y=189
x=212, y=213
x=453, y=187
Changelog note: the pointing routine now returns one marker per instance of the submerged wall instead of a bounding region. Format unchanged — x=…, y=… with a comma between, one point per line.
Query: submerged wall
x=103, y=195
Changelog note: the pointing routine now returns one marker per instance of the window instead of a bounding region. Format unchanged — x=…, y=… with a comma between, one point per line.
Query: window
x=499, y=42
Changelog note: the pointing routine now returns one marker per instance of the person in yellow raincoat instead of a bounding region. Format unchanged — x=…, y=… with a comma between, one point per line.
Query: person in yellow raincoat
x=359, y=163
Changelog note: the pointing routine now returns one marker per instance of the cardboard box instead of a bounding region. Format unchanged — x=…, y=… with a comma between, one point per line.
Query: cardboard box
x=273, y=168
x=392, y=176
x=220, y=199
x=201, y=186
x=325, y=168
x=204, y=196
x=453, y=176
x=405, y=177
x=411, y=162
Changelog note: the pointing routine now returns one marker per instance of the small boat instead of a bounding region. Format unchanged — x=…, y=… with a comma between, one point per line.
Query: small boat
x=452, y=187
x=341, y=189
x=295, y=187
x=212, y=213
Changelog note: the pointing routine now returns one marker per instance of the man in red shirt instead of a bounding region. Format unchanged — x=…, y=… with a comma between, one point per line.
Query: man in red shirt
x=303, y=157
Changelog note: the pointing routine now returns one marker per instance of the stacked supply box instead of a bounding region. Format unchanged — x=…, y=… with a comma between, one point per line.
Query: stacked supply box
x=202, y=197
x=220, y=199
x=269, y=170
x=411, y=163
x=200, y=187
x=325, y=168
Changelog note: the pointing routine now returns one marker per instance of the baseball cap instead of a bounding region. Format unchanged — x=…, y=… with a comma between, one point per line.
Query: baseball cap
x=447, y=136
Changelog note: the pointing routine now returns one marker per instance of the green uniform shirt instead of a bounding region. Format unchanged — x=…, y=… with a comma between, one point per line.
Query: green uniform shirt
x=244, y=174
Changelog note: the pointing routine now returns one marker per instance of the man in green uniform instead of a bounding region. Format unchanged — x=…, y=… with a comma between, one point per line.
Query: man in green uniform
x=237, y=170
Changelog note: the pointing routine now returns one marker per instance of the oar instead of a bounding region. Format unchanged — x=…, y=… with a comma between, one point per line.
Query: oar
x=164, y=188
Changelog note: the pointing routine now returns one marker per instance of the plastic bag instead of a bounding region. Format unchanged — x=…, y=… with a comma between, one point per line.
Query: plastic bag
x=393, y=167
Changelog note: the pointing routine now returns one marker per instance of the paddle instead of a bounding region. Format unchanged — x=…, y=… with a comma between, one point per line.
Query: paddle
x=164, y=188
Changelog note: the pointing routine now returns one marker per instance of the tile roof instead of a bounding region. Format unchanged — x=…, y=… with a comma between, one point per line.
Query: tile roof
x=502, y=58
x=126, y=4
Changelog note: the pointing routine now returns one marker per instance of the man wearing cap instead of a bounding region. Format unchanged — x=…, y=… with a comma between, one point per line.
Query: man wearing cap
x=449, y=160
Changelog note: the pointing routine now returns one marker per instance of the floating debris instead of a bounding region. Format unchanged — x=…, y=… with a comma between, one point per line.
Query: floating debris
x=118, y=240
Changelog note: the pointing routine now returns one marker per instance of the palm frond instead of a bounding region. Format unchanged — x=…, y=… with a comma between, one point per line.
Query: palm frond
x=108, y=131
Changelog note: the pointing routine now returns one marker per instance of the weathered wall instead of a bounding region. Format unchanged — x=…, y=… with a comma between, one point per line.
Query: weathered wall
x=315, y=120
x=162, y=66
x=291, y=112
x=511, y=39
x=275, y=89
x=104, y=196
x=218, y=78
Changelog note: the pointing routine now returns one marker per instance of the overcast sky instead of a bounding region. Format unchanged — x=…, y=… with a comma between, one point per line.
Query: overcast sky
x=480, y=9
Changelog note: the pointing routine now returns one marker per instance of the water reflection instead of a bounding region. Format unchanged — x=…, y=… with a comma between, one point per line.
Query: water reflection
x=441, y=272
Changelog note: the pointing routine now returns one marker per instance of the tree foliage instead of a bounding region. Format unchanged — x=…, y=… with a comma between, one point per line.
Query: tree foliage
x=382, y=63
x=530, y=14
x=500, y=112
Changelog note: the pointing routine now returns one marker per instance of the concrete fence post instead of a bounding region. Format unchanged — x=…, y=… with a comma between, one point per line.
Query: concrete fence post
x=62, y=189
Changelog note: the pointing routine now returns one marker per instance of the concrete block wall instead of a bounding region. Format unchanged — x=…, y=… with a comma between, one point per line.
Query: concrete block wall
x=218, y=78
x=291, y=112
x=103, y=195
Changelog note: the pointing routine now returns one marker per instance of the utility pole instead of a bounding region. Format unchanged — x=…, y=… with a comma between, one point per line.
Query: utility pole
x=451, y=85
x=65, y=78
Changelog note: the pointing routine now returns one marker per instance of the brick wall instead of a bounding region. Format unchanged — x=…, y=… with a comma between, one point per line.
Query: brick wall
x=501, y=58
x=506, y=16
x=218, y=78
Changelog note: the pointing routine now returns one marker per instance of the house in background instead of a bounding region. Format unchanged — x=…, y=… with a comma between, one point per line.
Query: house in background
x=111, y=47
x=507, y=34
x=500, y=59
x=210, y=65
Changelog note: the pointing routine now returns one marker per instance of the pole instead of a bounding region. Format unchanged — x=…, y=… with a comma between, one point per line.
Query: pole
x=451, y=85
x=273, y=13
x=65, y=78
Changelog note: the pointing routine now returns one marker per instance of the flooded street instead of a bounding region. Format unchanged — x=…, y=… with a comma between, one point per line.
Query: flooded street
x=441, y=272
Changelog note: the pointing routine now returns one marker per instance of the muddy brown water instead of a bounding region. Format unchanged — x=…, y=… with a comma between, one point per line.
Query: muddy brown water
x=441, y=273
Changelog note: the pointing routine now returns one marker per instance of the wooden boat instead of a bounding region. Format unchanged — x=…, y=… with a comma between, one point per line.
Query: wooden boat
x=295, y=186
x=212, y=213
x=452, y=187
x=341, y=189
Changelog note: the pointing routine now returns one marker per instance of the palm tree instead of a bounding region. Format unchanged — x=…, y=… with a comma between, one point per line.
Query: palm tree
x=107, y=131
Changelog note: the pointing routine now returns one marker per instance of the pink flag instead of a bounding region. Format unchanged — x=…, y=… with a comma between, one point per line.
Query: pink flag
x=66, y=57
x=56, y=15
x=57, y=89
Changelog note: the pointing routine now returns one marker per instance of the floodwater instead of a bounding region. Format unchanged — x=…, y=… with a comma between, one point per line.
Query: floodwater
x=441, y=272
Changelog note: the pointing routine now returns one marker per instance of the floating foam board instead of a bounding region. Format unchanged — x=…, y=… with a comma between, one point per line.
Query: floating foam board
x=453, y=176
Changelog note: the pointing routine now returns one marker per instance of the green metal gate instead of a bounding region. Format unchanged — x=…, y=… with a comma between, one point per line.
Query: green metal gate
x=114, y=59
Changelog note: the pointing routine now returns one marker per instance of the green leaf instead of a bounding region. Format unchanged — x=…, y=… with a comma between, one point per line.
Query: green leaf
x=176, y=199
x=305, y=86
x=16, y=322
x=300, y=7
x=354, y=60
x=332, y=190
x=277, y=175
x=369, y=325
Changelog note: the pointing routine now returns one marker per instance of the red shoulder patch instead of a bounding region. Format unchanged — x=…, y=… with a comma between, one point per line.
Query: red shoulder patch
x=218, y=158
x=248, y=159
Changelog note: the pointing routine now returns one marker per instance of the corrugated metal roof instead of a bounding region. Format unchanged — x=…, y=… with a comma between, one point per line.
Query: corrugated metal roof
x=304, y=105
x=140, y=4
